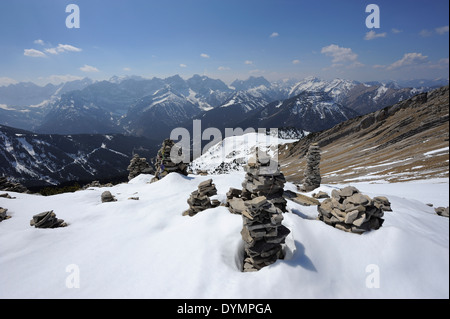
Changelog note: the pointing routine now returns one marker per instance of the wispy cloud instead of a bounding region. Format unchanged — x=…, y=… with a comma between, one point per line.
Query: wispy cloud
x=89, y=68
x=63, y=48
x=425, y=33
x=373, y=35
x=409, y=59
x=204, y=55
x=126, y=69
x=57, y=79
x=183, y=65
x=5, y=81
x=442, y=30
x=394, y=30
x=34, y=53
x=39, y=41
x=274, y=35
x=248, y=62
x=295, y=61
x=223, y=68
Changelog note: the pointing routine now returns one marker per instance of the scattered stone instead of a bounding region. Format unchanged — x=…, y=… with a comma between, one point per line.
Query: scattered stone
x=263, y=234
x=351, y=211
x=47, y=220
x=304, y=200
x=311, y=174
x=96, y=184
x=133, y=198
x=264, y=178
x=320, y=195
x=164, y=164
x=6, y=195
x=8, y=186
x=442, y=211
x=199, y=199
x=139, y=165
x=108, y=197
x=3, y=215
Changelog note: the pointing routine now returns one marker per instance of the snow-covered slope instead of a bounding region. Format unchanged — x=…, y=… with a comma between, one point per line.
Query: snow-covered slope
x=146, y=249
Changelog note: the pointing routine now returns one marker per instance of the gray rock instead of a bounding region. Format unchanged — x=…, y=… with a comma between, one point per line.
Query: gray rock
x=107, y=197
x=47, y=220
x=442, y=211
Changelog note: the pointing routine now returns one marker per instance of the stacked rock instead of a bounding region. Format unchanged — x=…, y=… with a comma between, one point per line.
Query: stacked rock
x=263, y=234
x=8, y=186
x=351, y=211
x=3, y=215
x=264, y=178
x=164, y=164
x=199, y=199
x=138, y=165
x=107, y=197
x=311, y=174
x=47, y=220
x=235, y=203
x=442, y=211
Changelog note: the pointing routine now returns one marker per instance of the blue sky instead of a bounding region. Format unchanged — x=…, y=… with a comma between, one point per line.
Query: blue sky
x=230, y=39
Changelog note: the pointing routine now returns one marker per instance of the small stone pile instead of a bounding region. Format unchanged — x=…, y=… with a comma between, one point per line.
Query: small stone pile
x=3, y=215
x=8, y=186
x=164, y=164
x=47, y=220
x=199, y=199
x=263, y=234
x=351, y=211
x=311, y=174
x=139, y=165
x=264, y=178
x=107, y=197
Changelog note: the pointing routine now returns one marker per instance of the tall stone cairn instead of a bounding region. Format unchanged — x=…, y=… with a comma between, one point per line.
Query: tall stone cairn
x=263, y=179
x=351, y=211
x=311, y=174
x=138, y=165
x=263, y=234
x=199, y=199
x=164, y=164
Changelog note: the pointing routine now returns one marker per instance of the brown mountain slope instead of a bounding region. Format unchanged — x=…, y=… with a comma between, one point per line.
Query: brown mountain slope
x=406, y=141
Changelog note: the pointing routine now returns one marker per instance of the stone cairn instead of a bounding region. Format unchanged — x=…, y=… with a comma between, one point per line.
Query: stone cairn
x=442, y=211
x=3, y=215
x=8, y=186
x=264, y=178
x=138, y=165
x=311, y=174
x=263, y=234
x=164, y=164
x=199, y=199
x=47, y=220
x=107, y=197
x=351, y=211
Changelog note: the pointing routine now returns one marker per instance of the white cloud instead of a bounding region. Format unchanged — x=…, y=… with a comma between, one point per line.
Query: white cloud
x=183, y=65
x=4, y=81
x=373, y=35
x=295, y=61
x=223, y=68
x=274, y=35
x=63, y=48
x=89, y=68
x=204, y=55
x=127, y=69
x=394, y=30
x=248, y=62
x=34, y=53
x=425, y=33
x=339, y=54
x=442, y=30
x=58, y=79
x=39, y=41
x=378, y=66
x=409, y=59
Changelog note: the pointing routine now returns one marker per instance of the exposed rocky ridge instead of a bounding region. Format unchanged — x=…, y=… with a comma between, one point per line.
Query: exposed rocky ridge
x=405, y=141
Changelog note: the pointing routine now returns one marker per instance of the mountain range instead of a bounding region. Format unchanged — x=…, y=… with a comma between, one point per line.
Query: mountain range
x=153, y=107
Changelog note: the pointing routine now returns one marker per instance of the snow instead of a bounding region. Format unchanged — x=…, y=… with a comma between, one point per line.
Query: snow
x=147, y=249
x=441, y=150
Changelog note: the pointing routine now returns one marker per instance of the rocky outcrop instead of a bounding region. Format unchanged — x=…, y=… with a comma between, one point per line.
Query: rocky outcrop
x=263, y=234
x=47, y=220
x=164, y=164
x=311, y=174
x=264, y=178
x=351, y=211
x=8, y=186
x=442, y=211
x=139, y=165
x=200, y=198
